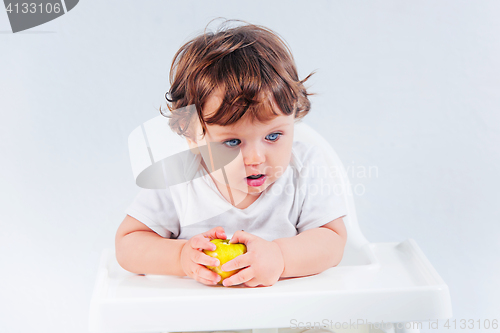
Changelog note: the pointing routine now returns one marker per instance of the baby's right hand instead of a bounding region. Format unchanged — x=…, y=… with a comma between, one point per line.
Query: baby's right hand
x=193, y=259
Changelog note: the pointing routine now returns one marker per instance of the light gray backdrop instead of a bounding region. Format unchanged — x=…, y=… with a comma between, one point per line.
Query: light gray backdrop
x=409, y=88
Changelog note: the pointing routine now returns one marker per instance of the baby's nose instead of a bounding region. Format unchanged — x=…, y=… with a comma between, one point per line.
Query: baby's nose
x=254, y=156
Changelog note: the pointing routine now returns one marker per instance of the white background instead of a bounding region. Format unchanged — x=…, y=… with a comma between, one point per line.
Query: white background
x=411, y=88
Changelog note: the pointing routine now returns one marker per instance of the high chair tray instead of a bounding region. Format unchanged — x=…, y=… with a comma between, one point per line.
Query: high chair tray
x=398, y=284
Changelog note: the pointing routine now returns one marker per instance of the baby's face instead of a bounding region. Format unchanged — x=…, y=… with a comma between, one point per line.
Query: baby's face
x=262, y=149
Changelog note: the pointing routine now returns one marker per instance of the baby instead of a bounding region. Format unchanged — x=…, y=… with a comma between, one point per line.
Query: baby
x=243, y=84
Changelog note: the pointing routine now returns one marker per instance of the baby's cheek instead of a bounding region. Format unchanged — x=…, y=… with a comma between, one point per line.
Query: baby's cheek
x=236, y=169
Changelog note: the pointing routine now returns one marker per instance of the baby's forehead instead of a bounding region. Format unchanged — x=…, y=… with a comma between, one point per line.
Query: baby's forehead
x=253, y=122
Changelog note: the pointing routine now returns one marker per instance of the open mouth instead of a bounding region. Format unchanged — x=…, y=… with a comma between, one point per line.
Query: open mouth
x=256, y=180
x=255, y=176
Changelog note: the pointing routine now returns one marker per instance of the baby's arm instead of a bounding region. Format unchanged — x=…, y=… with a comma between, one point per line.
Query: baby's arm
x=142, y=251
x=310, y=252
x=313, y=250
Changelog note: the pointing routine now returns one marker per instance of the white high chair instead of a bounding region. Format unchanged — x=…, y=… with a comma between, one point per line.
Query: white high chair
x=387, y=285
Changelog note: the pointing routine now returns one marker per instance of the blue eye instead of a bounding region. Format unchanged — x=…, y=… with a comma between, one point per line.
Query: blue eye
x=228, y=142
x=273, y=136
x=235, y=142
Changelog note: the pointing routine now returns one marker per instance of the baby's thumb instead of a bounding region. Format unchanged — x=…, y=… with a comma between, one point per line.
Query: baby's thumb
x=216, y=233
x=240, y=236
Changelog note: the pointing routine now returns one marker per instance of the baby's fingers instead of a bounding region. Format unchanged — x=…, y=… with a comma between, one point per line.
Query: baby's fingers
x=205, y=281
x=241, y=277
x=206, y=276
x=202, y=259
x=239, y=262
x=215, y=233
x=202, y=243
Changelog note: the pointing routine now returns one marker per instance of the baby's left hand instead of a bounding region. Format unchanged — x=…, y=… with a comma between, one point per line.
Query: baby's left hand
x=262, y=264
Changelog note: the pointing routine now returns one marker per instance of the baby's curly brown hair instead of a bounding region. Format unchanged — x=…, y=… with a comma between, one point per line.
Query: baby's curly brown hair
x=252, y=66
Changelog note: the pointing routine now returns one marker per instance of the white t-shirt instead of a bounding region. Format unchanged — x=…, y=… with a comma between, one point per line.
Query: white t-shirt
x=304, y=197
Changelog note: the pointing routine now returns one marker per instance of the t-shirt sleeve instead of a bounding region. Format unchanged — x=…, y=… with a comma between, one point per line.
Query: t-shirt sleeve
x=323, y=197
x=156, y=210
